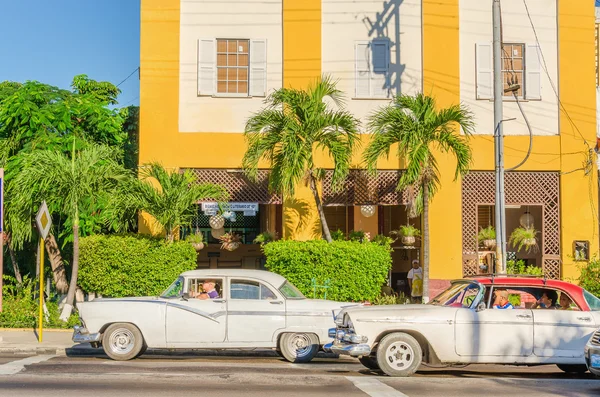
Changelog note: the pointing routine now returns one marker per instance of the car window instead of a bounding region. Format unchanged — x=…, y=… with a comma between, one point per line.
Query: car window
x=174, y=290
x=246, y=289
x=592, y=301
x=205, y=288
x=459, y=294
x=290, y=291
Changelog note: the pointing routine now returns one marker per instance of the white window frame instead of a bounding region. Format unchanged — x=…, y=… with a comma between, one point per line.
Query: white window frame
x=371, y=68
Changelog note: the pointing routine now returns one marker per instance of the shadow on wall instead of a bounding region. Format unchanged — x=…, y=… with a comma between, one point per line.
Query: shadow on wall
x=383, y=45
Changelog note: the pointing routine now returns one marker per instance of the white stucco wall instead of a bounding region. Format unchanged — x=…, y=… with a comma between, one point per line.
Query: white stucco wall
x=475, y=27
x=227, y=19
x=347, y=21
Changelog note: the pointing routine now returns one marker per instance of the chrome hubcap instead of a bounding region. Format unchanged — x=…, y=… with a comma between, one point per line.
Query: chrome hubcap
x=400, y=355
x=121, y=341
x=301, y=344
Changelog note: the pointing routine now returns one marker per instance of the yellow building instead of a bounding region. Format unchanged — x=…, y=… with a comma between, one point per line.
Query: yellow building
x=206, y=66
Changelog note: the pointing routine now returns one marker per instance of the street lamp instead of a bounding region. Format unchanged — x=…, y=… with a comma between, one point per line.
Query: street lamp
x=367, y=210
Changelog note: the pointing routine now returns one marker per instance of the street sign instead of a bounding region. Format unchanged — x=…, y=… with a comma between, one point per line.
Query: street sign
x=43, y=220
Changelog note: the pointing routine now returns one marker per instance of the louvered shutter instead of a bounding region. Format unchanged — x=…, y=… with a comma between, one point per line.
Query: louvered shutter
x=258, y=67
x=485, y=71
x=380, y=50
x=362, y=65
x=207, y=55
x=533, y=70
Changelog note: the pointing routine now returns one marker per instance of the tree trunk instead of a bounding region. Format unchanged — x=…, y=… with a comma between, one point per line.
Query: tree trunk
x=13, y=259
x=315, y=192
x=59, y=274
x=425, y=243
x=68, y=308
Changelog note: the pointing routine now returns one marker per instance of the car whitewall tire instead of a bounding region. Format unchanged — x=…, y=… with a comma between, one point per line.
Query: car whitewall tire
x=299, y=347
x=122, y=341
x=399, y=354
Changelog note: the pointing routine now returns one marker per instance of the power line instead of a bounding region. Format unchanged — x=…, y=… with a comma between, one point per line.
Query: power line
x=127, y=78
x=545, y=67
x=134, y=99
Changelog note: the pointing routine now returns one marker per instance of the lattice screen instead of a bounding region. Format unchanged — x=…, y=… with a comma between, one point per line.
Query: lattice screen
x=361, y=188
x=521, y=188
x=240, y=188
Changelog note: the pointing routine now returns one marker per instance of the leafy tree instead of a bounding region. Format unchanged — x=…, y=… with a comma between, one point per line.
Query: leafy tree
x=294, y=125
x=131, y=127
x=420, y=129
x=65, y=183
x=169, y=197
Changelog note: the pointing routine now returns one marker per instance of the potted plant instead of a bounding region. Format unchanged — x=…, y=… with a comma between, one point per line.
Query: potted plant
x=265, y=237
x=408, y=234
x=196, y=239
x=487, y=236
x=338, y=235
x=230, y=241
x=524, y=237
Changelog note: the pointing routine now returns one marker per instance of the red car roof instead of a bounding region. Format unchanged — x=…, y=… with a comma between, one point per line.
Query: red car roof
x=574, y=291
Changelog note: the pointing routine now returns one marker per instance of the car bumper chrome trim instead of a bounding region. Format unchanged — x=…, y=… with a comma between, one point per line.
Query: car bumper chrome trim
x=82, y=335
x=348, y=350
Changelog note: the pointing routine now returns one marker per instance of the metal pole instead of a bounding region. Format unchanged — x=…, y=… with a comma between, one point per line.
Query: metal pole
x=499, y=141
x=41, y=317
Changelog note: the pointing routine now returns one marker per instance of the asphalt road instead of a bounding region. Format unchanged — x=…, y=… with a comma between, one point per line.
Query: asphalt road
x=150, y=376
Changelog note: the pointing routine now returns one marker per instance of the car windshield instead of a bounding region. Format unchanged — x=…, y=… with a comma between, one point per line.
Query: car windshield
x=290, y=291
x=460, y=294
x=592, y=301
x=174, y=290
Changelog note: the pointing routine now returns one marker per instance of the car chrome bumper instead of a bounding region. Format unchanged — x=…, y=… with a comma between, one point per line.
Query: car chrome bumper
x=348, y=349
x=592, y=350
x=82, y=335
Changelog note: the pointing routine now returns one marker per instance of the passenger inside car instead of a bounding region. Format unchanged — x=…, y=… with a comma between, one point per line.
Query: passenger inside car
x=204, y=289
x=547, y=300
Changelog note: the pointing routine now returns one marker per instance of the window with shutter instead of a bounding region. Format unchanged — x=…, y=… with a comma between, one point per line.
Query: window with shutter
x=533, y=79
x=485, y=72
x=258, y=68
x=372, y=64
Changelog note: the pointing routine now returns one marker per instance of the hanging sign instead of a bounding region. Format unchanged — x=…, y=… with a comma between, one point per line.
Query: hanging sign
x=249, y=209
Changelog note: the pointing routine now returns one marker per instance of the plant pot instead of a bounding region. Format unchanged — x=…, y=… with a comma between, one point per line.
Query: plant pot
x=198, y=246
x=216, y=222
x=529, y=242
x=231, y=246
x=408, y=240
x=216, y=233
x=489, y=243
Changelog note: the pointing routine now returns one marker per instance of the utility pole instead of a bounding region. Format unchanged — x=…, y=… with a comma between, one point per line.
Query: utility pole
x=499, y=141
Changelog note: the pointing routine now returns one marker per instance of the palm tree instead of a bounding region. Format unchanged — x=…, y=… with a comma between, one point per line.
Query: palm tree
x=419, y=129
x=67, y=184
x=287, y=132
x=172, y=202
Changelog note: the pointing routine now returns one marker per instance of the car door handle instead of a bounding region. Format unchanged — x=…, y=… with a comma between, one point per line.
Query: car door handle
x=219, y=300
x=523, y=316
x=584, y=318
x=276, y=302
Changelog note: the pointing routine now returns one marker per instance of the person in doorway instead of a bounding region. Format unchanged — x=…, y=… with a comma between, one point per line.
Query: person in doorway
x=415, y=282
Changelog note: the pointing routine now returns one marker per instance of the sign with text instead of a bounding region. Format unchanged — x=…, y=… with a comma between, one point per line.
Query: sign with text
x=249, y=209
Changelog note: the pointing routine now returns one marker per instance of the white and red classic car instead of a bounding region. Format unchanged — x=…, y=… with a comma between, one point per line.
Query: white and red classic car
x=250, y=309
x=460, y=326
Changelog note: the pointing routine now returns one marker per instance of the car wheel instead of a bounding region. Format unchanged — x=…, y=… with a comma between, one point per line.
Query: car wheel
x=369, y=362
x=573, y=368
x=144, y=348
x=399, y=354
x=122, y=341
x=299, y=348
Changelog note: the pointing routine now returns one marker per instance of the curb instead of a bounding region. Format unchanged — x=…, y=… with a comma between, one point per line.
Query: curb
x=91, y=352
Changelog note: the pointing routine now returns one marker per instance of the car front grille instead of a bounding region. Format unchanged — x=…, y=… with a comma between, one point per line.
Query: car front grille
x=596, y=338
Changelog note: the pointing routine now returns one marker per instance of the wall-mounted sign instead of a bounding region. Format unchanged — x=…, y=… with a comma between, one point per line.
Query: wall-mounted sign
x=249, y=209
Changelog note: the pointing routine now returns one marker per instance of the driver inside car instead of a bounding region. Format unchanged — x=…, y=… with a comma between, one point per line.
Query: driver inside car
x=209, y=290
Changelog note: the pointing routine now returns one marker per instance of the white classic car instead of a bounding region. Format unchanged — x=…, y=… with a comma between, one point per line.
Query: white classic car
x=247, y=309
x=460, y=326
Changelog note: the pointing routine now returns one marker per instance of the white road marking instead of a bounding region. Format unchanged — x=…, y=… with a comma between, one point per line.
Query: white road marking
x=374, y=388
x=14, y=367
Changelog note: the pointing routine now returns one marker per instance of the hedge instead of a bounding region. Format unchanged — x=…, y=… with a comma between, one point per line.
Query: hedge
x=590, y=276
x=356, y=271
x=131, y=265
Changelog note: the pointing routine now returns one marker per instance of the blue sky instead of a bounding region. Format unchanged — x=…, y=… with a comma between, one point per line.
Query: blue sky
x=53, y=40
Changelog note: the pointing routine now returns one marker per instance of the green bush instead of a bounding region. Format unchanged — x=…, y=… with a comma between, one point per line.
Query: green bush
x=589, y=278
x=518, y=267
x=356, y=271
x=395, y=299
x=132, y=265
x=20, y=307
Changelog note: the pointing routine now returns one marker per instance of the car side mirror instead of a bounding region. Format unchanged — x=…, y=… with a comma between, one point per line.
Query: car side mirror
x=185, y=296
x=481, y=307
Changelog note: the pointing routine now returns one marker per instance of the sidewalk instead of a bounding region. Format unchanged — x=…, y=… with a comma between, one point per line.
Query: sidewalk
x=24, y=341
